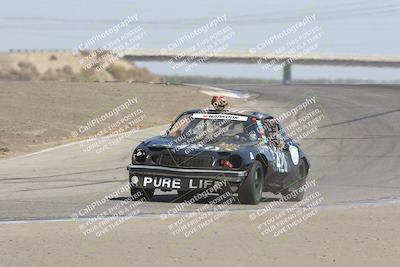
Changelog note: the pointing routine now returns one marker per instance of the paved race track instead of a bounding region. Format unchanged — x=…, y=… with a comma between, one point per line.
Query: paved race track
x=354, y=155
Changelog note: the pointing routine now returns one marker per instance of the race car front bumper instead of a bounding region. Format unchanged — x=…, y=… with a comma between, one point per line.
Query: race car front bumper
x=160, y=171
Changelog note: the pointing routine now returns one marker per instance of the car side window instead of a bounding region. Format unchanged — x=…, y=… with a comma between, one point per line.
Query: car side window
x=181, y=123
x=274, y=133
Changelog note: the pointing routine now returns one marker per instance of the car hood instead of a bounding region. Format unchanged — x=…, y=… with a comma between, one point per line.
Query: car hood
x=160, y=143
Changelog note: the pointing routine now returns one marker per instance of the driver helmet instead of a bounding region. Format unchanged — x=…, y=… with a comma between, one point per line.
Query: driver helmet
x=219, y=102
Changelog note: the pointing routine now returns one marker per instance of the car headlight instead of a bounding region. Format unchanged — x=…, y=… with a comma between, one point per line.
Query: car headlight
x=139, y=155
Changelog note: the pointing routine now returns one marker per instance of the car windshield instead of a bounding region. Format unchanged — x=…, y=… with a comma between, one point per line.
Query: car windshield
x=214, y=127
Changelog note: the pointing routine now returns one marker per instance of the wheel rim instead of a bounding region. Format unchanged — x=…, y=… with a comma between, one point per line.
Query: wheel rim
x=302, y=170
x=257, y=178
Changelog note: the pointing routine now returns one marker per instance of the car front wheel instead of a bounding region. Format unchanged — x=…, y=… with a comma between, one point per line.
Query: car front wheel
x=250, y=192
x=138, y=193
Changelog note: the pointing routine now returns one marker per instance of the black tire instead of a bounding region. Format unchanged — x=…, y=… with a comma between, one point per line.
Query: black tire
x=300, y=181
x=138, y=193
x=250, y=192
x=146, y=193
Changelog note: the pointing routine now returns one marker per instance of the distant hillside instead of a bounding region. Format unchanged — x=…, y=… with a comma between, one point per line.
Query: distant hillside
x=63, y=66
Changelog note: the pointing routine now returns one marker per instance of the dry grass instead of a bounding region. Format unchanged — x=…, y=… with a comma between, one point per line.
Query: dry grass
x=52, y=66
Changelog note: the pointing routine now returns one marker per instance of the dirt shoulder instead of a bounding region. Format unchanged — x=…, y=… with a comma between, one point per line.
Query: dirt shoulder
x=37, y=115
x=332, y=237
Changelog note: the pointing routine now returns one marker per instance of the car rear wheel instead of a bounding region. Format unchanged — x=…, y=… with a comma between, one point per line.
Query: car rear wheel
x=250, y=192
x=300, y=181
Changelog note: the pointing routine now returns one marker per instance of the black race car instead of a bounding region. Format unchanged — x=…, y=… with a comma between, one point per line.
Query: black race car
x=249, y=153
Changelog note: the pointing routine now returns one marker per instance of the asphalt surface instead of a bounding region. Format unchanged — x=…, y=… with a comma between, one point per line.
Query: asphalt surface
x=354, y=155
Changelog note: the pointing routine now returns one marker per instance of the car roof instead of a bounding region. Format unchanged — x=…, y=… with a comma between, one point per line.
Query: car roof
x=256, y=114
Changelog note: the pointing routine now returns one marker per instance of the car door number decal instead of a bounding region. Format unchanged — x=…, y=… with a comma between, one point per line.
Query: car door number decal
x=280, y=160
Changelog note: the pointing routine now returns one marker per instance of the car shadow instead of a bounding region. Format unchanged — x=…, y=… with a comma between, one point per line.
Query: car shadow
x=175, y=198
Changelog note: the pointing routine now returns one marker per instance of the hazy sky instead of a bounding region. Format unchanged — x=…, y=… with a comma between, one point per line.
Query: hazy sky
x=353, y=27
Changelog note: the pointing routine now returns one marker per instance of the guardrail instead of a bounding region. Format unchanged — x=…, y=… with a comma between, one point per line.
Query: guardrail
x=254, y=58
x=286, y=60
